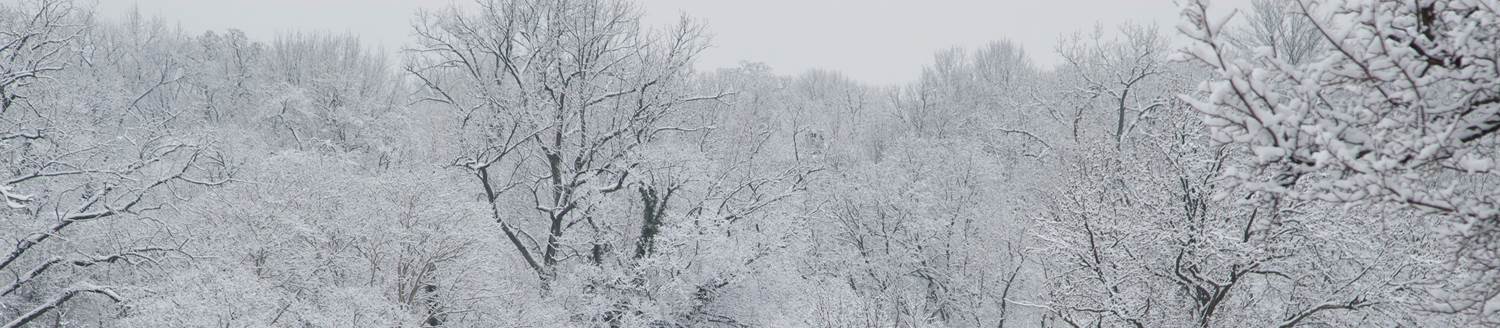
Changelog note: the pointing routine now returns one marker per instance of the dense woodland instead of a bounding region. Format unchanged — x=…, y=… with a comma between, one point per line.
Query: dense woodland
x=545, y=163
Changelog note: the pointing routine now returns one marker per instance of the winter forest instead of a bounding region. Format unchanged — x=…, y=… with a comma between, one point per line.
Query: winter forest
x=560, y=163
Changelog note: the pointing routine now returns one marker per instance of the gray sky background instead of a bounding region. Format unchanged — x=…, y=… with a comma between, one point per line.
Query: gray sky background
x=875, y=41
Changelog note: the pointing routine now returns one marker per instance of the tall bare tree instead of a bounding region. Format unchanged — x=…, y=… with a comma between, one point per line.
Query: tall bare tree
x=555, y=97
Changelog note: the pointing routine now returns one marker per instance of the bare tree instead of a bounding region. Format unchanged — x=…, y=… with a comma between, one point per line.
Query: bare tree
x=555, y=96
x=1292, y=37
x=1123, y=74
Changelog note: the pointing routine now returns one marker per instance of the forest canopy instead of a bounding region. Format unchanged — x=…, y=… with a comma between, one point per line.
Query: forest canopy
x=547, y=163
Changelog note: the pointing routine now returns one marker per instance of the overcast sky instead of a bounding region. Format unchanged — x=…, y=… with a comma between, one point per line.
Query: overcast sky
x=875, y=41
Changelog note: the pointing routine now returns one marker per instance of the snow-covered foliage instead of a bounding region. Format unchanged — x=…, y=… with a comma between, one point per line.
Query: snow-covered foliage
x=1398, y=105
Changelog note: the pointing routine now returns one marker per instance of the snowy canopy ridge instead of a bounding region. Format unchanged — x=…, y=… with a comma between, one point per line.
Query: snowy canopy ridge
x=562, y=163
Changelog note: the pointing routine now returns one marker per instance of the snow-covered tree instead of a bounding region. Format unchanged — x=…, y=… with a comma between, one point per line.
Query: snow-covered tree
x=557, y=96
x=83, y=195
x=1398, y=105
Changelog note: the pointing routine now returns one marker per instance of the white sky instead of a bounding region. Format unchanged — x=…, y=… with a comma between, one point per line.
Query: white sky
x=875, y=41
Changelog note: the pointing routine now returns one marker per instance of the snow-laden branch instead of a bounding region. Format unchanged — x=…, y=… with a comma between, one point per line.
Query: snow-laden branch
x=59, y=300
